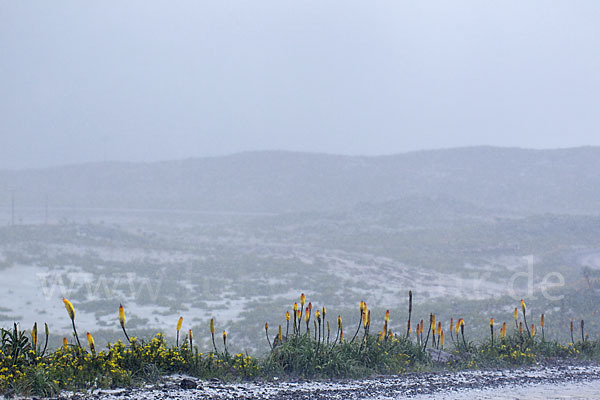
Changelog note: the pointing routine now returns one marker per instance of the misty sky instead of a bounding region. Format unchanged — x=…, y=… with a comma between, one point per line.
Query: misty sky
x=148, y=80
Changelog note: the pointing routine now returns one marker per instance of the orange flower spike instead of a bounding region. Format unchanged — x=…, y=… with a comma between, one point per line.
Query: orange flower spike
x=433, y=321
x=65, y=342
x=298, y=314
x=491, y=321
x=442, y=338
x=439, y=328
x=532, y=330
x=380, y=338
x=542, y=321
x=451, y=325
x=302, y=299
x=212, y=326
x=520, y=327
x=307, y=315
x=369, y=318
x=387, y=316
x=266, y=326
x=310, y=306
x=571, y=326
x=122, y=315
x=516, y=314
x=70, y=309
x=90, y=340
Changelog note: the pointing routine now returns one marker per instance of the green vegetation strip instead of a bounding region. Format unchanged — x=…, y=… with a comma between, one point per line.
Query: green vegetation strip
x=306, y=350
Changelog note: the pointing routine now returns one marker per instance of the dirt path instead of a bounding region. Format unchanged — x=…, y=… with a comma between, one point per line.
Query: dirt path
x=559, y=381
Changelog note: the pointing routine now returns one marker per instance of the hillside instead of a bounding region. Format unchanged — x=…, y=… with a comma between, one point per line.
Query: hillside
x=515, y=180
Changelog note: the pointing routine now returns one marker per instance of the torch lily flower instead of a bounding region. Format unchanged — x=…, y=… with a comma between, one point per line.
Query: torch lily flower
x=90, y=340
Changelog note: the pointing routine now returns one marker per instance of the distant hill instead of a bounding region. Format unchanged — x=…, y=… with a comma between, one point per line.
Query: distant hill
x=516, y=180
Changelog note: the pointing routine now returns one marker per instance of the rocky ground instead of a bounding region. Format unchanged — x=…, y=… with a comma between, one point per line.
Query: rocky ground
x=542, y=382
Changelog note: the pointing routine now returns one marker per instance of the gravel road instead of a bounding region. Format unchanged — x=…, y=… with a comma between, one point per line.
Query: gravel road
x=539, y=382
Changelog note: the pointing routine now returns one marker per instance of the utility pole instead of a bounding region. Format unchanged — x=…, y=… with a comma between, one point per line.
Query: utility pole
x=46, y=211
x=12, y=208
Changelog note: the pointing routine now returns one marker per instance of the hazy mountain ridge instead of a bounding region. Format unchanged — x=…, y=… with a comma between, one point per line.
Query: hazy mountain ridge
x=518, y=180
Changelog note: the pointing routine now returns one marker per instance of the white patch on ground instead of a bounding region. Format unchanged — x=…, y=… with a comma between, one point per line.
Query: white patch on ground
x=24, y=292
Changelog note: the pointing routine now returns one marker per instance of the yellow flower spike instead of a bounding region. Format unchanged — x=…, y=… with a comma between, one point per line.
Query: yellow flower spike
x=542, y=321
x=491, y=321
x=298, y=314
x=307, y=315
x=280, y=335
x=387, y=315
x=225, y=338
x=302, y=299
x=504, y=329
x=318, y=315
x=532, y=330
x=90, y=340
x=34, y=336
x=362, y=306
x=462, y=322
x=364, y=319
x=295, y=306
x=287, y=315
x=212, y=326
x=324, y=312
x=69, y=307
x=442, y=338
x=342, y=337
x=122, y=315
x=380, y=338
x=191, y=336
x=516, y=314
x=339, y=321
x=179, y=323
x=65, y=342
x=433, y=321
x=457, y=326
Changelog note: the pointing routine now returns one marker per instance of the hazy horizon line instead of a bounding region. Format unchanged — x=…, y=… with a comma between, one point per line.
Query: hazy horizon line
x=321, y=153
